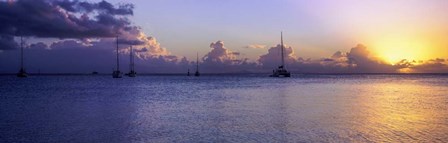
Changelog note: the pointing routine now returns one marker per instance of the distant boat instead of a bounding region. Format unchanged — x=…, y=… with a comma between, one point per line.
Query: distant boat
x=22, y=73
x=94, y=73
x=117, y=73
x=281, y=70
x=132, y=72
x=197, y=66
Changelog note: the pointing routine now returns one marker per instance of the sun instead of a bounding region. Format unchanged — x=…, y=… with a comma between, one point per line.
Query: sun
x=393, y=50
x=393, y=55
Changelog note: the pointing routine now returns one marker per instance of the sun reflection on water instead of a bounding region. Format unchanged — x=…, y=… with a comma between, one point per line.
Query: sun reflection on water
x=400, y=111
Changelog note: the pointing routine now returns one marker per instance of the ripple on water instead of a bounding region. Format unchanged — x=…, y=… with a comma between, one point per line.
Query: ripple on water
x=305, y=108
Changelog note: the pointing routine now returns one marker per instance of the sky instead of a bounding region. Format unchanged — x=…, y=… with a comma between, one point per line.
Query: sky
x=233, y=35
x=314, y=28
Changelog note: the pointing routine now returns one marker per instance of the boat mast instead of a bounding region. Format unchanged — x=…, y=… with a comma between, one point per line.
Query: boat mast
x=118, y=65
x=131, y=60
x=197, y=62
x=283, y=58
x=21, y=52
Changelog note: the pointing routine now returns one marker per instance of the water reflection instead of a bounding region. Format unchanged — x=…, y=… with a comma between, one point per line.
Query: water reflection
x=401, y=111
x=226, y=109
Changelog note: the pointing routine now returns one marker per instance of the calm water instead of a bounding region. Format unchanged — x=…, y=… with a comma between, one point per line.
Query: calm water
x=305, y=108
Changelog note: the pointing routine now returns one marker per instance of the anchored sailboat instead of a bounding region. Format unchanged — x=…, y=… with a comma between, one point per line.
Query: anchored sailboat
x=132, y=72
x=197, y=65
x=281, y=70
x=117, y=73
x=22, y=72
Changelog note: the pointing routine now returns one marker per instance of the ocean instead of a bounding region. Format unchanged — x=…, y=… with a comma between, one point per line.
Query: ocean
x=225, y=108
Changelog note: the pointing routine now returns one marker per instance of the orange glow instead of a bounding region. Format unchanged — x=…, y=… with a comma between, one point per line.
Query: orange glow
x=410, y=45
x=395, y=50
x=394, y=106
x=405, y=70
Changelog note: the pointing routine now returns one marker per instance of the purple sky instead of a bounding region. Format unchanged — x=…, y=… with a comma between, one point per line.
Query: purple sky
x=246, y=31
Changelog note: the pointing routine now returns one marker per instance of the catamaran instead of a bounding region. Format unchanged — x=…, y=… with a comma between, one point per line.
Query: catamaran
x=116, y=73
x=281, y=70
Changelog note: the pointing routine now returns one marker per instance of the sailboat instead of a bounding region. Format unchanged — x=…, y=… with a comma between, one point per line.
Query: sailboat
x=117, y=73
x=22, y=72
x=281, y=70
x=197, y=65
x=132, y=72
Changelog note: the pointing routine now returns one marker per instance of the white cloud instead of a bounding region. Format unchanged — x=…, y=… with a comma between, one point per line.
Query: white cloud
x=256, y=46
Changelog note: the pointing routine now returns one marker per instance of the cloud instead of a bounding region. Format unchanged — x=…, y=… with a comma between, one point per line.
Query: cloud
x=221, y=55
x=7, y=42
x=76, y=56
x=39, y=45
x=151, y=48
x=363, y=61
x=430, y=66
x=90, y=28
x=358, y=60
x=255, y=46
x=273, y=58
x=220, y=59
x=65, y=19
x=85, y=56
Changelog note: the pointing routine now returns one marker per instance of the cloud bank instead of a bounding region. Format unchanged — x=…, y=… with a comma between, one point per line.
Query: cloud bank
x=358, y=60
x=77, y=56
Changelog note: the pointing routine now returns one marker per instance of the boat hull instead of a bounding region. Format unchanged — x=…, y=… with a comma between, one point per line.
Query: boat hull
x=22, y=73
x=117, y=74
x=131, y=74
x=281, y=72
x=197, y=74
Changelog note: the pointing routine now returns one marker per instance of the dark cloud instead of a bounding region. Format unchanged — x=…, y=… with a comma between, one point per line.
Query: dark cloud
x=362, y=61
x=103, y=6
x=75, y=56
x=7, y=42
x=39, y=45
x=65, y=19
x=430, y=66
x=124, y=9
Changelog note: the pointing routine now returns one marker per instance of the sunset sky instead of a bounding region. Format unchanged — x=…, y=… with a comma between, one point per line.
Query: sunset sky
x=411, y=29
x=390, y=31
